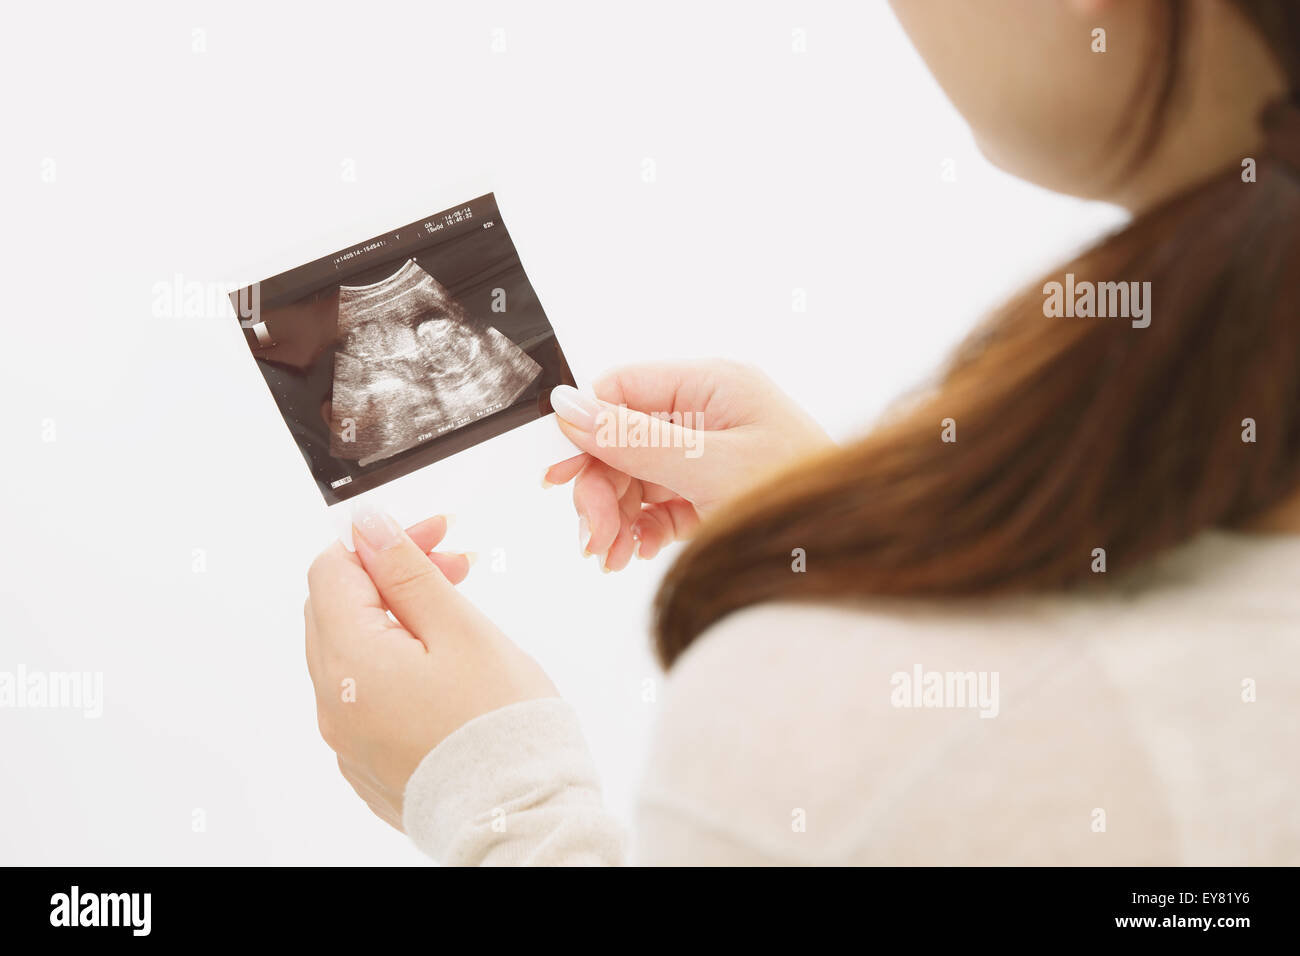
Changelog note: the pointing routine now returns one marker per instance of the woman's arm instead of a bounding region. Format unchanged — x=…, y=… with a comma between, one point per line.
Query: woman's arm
x=513, y=787
x=441, y=723
x=518, y=787
x=451, y=733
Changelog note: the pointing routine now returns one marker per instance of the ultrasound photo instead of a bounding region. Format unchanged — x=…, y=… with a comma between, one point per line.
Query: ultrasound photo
x=404, y=349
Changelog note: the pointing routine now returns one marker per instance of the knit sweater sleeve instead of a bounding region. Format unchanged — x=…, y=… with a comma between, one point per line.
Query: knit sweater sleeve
x=515, y=787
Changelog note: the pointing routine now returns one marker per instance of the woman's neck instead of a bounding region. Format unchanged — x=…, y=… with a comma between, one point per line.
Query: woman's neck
x=1230, y=76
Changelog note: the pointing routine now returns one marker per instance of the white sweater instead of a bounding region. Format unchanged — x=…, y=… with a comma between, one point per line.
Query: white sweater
x=1159, y=724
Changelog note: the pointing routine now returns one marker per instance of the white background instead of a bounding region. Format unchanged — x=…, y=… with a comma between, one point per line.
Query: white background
x=141, y=154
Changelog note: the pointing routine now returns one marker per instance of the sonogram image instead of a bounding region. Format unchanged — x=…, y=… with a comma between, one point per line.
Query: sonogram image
x=406, y=348
x=411, y=366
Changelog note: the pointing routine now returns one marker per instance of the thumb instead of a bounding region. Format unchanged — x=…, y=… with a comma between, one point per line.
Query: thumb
x=654, y=447
x=411, y=586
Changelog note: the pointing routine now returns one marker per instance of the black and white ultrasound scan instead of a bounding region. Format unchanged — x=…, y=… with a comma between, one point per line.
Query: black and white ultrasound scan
x=404, y=349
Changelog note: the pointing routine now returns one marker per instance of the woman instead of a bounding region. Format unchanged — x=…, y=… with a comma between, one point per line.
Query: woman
x=1045, y=614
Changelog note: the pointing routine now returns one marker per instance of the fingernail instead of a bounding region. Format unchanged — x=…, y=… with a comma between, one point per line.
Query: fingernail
x=471, y=557
x=575, y=408
x=546, y=484
x=377, y=529
x=447, y=522
x=584, y=534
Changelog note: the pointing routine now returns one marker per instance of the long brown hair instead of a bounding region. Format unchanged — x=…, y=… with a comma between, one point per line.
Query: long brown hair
x=1072, y=434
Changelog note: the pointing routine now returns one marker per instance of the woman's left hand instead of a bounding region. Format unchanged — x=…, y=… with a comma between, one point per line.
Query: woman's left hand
x=389, y=689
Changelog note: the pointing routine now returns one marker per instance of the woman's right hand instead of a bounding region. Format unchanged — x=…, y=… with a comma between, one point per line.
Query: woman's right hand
x=663, y=444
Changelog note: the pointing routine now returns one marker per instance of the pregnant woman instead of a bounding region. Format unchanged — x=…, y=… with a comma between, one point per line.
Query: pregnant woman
x=1046, y=613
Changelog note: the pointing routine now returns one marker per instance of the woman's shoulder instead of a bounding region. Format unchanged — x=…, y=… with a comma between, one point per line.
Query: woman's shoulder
x=1018, y=730
x=1218, y=576
x=796, y=729
x=828, y=636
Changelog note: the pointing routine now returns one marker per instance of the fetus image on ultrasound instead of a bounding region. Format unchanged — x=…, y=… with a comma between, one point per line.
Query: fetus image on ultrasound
x=411, y=365
x=403, y=349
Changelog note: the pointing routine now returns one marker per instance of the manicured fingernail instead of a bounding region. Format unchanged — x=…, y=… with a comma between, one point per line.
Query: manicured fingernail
x=447, y=522
x=377, y=529
x=546, y=484
x=471, y=557
x=584, y=535
x=575, y=408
